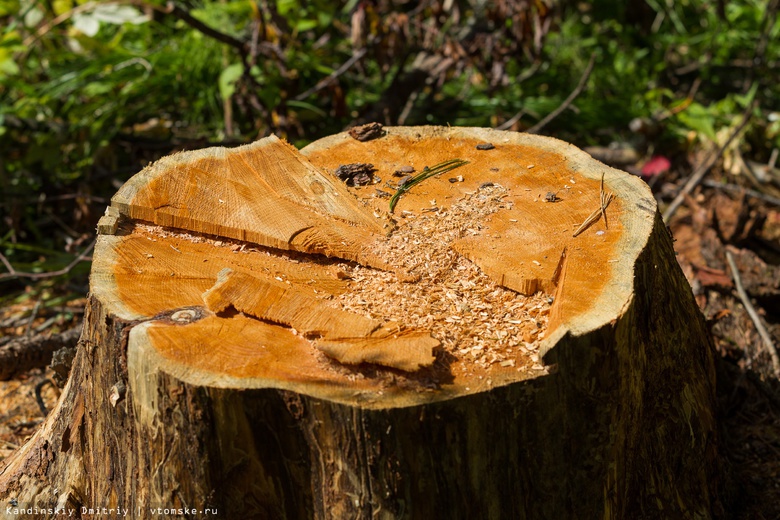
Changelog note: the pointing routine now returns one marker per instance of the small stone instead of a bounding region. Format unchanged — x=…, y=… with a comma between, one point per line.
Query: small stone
x=486, y=185
x=485, y=146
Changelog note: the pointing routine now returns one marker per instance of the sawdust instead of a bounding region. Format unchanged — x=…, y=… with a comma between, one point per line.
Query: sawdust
x=480, y=325
x=476, y=320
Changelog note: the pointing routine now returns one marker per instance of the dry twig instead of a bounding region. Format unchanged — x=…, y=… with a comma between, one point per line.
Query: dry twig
x=734, y=188
x=604, y=199
x=568, y=101
x=753, y=314
x=332, y=76
x=708, y=163
x=13, y=273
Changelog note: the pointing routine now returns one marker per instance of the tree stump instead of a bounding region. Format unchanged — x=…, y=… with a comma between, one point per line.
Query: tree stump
x=265, y=339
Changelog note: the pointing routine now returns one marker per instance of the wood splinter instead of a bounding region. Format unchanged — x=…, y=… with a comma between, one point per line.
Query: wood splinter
x=344, y=336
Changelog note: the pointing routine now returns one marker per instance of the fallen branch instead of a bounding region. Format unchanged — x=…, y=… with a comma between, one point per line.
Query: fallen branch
x=13, y=273
x=24, y=354
x=186, y=17
x=568, y=101
x=708, y=163
x=332, y=76
x=733, y=188
x=753, y=314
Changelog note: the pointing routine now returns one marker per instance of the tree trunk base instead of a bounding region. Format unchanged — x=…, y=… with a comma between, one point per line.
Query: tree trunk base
x=621, y=425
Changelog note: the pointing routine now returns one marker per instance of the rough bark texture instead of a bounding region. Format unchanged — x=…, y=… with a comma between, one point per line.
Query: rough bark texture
x=621, y=427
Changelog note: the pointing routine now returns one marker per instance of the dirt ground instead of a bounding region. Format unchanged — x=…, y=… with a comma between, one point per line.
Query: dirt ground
x=710, y=223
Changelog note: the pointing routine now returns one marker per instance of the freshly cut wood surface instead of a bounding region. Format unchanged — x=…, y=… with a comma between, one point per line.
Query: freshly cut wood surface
x=376, y=289
x=265, y=193
x=274, y=301
x=345, y=336
x=528, y=245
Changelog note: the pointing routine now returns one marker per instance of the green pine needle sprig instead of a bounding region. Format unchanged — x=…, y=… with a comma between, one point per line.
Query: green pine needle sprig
x=427, y=173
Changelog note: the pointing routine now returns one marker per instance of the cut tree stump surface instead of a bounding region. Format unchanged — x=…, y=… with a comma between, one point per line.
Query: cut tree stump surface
x=210, y=210
x=264, y=339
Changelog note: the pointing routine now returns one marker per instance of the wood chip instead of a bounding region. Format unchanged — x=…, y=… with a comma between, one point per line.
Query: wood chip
x=366, y=132
x=475, y=320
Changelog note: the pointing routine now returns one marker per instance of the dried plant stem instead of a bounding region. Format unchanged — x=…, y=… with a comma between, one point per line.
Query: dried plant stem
x=568, y=101
x=753, y=314
x=603, y=202
x=604, y=199
x=13, y=273
x=702, y=170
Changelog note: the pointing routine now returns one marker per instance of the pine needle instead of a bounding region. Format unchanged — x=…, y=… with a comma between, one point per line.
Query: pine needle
x=427, y=173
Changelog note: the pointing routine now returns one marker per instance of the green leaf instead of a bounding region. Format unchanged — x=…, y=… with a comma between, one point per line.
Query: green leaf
x=228, y=79
x=8, y=67
x=33, y=17
x=86, y=24
x=700, y=119
x=112, y=14
x=61, y=6
x=117, y=14
x=306, y=25
x=307, y=106
x=97, y=88
x=8, y=7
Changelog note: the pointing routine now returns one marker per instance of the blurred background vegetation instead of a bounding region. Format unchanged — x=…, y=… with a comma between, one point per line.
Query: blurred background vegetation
x=90, y=92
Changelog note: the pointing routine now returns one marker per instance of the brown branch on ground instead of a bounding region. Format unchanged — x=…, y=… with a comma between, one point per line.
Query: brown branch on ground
x=13, y=273
x=707, y=164
x=27, y=353
x=569, y=99
x=734, y=188
x=753, y=314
